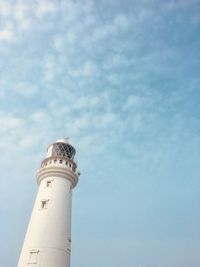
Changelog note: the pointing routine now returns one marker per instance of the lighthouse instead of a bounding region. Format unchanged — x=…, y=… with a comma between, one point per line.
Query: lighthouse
x=48, y=239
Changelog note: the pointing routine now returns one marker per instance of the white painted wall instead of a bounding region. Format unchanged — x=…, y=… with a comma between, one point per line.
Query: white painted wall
x=49, y=230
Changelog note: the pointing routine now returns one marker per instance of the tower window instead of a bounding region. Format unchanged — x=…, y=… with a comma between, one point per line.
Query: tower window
x=48, y=183
x=33, y=256
x=70, y=165
x=55, y=160
x=44, y=204
x=61, y=161
x=66, y=162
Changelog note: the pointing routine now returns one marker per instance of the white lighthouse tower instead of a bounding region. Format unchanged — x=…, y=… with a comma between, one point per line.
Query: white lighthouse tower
x=48, y=238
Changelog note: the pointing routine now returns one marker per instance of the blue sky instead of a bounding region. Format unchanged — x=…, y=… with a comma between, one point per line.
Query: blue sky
x=121, y=79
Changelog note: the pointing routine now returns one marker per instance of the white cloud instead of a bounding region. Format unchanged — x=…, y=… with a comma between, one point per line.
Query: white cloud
x=28, y=141
x=7, y=33
x=25, y=89
x=22, y=16
x=40, y=117
x=20, y=10
x=14, y=17
x=89, y=68
x=45, y=7
x=10, y=122
x=5, y=8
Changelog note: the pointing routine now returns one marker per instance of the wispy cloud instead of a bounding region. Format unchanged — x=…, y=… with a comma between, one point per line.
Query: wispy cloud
x=7, y=33
x=44, y=8
x=25, y=89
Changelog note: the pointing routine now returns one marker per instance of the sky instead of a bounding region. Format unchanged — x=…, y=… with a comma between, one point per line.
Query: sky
x=121, y=80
